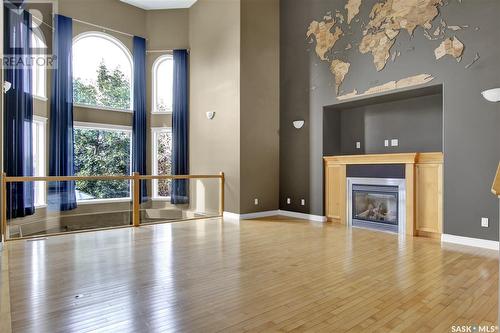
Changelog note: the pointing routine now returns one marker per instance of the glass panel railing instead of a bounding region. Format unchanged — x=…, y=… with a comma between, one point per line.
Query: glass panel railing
x=180, y=199
x=103, y=190
x=41, y=206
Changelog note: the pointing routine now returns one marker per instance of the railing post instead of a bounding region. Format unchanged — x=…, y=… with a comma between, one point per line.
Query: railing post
x=136, y=189
x=221, y=194
x=4, y=206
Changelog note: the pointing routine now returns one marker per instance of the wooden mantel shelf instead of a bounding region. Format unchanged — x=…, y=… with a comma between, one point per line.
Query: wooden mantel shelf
x=496, y=183
x=403, y=158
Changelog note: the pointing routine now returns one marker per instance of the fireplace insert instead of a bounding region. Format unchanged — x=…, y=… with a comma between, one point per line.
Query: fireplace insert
x=377, y=204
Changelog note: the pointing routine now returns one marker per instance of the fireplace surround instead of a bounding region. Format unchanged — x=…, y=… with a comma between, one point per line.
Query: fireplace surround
x=422, y=174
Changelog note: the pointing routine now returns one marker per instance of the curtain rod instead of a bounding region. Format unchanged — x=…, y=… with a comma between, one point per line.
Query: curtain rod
x=159, y=51
x=91, y=24
x=112, y=30
x=164, y=51
x=42, y=22
x=104, y=28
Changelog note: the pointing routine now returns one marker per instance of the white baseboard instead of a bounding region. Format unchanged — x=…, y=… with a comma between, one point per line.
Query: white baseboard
x=476, y=242
x=249, y=216
x=257, y=215
x=315, y=218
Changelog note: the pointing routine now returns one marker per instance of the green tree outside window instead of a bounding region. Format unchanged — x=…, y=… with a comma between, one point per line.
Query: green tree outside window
x=112, y=89
x=164, y=146
x=102, y=152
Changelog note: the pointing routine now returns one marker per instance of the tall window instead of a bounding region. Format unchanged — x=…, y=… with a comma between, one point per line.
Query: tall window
x=102, y=150
x=102, y=72
x=162, y=161
x=163, y=83
x=38, y=137
x=38, y=47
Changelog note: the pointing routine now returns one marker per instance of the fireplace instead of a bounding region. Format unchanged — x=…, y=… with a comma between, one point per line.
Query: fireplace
x=377, y=203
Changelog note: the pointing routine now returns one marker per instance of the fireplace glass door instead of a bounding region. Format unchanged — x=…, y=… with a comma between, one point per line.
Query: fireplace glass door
x=377, y=204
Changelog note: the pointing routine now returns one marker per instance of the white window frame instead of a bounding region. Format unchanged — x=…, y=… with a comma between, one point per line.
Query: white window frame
x=154, y=83
x=155, y=131
x=107, y=127
x=39, y=167
x=127, y=52
x=39, y=74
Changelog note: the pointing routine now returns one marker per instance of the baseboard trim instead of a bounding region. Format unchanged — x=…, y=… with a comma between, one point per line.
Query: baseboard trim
x=310, y=217
x=476, y=242
x=315, y=218
x=249, y=216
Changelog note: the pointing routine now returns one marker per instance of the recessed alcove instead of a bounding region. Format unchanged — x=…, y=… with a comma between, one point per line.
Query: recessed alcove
x=412, y=117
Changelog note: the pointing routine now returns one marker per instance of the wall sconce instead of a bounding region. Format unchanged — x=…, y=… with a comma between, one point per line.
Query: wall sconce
x=298, y=124
x=210, y=115
x=6, y=86
x=492, y=95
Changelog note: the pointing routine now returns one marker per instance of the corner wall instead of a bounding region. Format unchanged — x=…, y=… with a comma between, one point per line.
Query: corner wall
x=235, y=73
x=259, y=105
x=214, y=35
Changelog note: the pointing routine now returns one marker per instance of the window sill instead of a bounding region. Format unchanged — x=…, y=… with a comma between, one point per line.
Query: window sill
x=40, y=206
x=161, y=112
x=40, y=98
x=99, y=107
x=160, y=199
x=103, y=201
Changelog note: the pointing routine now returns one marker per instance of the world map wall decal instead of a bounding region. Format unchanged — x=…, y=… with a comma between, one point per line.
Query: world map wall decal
x=386, y=21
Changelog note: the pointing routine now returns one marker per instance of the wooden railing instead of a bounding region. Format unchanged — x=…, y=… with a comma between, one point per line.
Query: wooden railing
x=135, y=179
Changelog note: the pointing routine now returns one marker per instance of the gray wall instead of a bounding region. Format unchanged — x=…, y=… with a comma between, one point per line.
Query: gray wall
x=416, y=122
x=259, y=105
x=471, y=136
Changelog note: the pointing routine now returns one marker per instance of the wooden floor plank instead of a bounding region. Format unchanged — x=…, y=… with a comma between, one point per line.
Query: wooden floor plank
x=266, y=275
x=5, y=311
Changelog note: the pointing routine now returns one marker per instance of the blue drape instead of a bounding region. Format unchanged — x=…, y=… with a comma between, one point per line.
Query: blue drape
x=180, y=128
x=139, y=130
x=61, y=163
x=18, y=150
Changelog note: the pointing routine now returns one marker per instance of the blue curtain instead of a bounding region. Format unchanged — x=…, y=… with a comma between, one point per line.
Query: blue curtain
x=61, y=162
x=139, y=130
x=180, y=128
x=18, y=118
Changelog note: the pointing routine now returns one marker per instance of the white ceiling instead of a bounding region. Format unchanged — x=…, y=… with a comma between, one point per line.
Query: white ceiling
x=160, y=4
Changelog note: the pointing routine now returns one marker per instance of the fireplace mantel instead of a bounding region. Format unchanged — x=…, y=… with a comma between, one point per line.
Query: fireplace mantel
x=402, y=158
x=424, y=189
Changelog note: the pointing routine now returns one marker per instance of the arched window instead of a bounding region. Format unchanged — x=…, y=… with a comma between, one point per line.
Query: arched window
x=39, y=77
x=102, y=72
x=163, y=79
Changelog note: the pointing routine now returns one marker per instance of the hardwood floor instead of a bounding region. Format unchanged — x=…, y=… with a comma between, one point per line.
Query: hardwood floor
x=265, y=275
x=5, y=320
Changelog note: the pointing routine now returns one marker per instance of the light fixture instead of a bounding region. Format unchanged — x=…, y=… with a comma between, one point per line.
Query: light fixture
x=492, y=95
x=298, y=124
x=210, y=115
x=6, y=86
